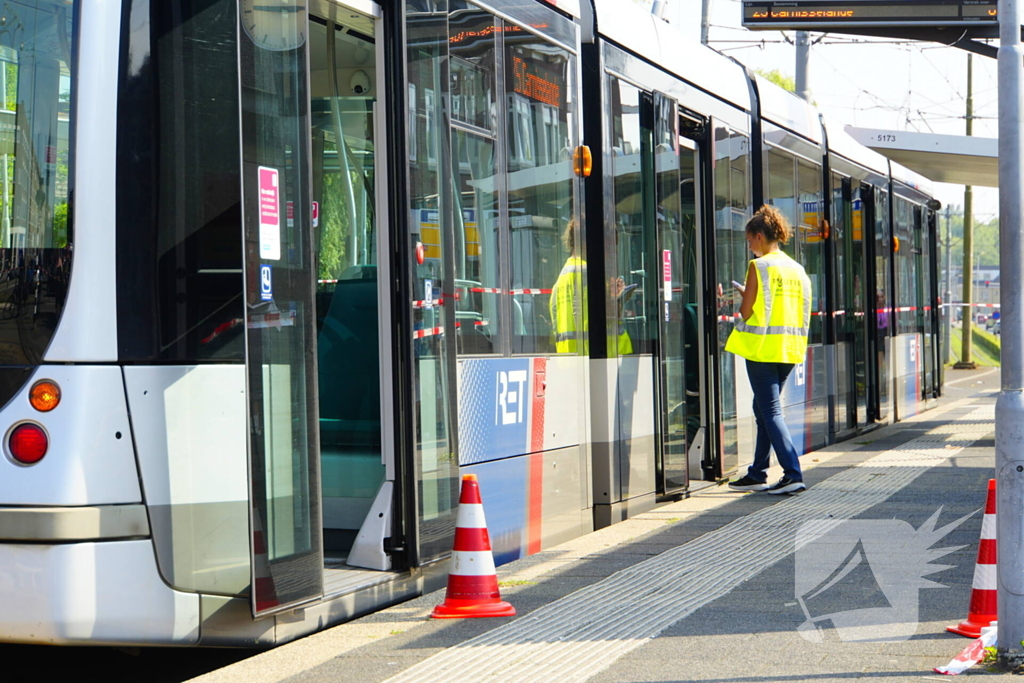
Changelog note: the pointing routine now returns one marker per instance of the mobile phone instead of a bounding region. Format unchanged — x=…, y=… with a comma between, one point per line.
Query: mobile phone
x=738, y=284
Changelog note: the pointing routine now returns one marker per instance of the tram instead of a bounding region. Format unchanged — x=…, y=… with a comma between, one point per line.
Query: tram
x=275, y=274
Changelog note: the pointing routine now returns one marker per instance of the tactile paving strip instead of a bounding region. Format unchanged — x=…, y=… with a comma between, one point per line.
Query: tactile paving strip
x=583, y=633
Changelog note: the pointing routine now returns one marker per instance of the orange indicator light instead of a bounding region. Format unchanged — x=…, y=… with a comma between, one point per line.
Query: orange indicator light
x=45, y=396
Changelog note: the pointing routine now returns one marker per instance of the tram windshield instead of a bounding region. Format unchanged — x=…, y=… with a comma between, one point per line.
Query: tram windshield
x=36, y=74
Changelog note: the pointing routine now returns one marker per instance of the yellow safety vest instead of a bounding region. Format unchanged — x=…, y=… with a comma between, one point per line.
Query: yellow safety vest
x=777, y=330
x=568, y=303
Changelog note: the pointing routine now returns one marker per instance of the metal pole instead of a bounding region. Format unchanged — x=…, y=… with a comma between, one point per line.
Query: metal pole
x=967, y=319
x=705, y=21
x=947, y=327
x=803, y=59
x=1010, y=404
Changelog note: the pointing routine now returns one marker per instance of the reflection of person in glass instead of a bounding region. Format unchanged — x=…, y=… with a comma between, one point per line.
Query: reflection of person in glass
x=772, y=337
x=568, y=302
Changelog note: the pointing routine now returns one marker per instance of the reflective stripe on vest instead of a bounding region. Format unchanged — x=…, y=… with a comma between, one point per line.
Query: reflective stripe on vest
x=777, y=330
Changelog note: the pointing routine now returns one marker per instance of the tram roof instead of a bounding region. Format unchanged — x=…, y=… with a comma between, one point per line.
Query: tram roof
x=957, y=159
x=659, y=42
x=840, y=143
x=785, y=109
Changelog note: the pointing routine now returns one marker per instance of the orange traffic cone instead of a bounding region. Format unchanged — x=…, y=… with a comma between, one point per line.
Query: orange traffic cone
x=982, y=611
x=472, y=579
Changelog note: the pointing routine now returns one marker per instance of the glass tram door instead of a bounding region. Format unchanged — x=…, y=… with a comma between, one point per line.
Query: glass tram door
x=344, y=79
x=675, y=167
x=287, y=557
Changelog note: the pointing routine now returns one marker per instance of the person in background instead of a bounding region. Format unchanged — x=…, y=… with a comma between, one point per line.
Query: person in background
x=568, y=303
x=772, y=337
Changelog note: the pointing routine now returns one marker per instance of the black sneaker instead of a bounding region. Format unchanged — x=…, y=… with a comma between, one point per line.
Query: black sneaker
x=747, y=484
x=786, y=485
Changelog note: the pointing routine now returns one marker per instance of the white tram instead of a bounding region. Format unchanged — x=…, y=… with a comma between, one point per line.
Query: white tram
x=274, y=274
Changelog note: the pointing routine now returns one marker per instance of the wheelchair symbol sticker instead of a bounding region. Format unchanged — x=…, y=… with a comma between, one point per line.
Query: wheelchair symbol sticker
x=266, y=284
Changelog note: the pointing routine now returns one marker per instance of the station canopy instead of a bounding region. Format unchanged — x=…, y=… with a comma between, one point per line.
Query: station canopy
x=955, y=159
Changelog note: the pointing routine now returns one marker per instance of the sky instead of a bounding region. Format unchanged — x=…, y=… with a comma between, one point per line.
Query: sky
x=874, y=84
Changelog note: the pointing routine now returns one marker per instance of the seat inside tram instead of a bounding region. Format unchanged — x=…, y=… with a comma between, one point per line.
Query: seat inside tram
x=343, y=93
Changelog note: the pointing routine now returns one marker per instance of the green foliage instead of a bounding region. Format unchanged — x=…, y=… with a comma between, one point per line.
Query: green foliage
x=333, y=219
x=11, y=91
x=60, y=225
x=778, y=78
x=986, y=243
x=988, y=344
x=985, y=349
x=986, y=237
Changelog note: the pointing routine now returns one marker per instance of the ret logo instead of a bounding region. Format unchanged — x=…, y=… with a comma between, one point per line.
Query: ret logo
x=511, y=394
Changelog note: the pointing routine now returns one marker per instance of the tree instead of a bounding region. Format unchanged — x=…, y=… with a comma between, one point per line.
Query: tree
x=778, y=78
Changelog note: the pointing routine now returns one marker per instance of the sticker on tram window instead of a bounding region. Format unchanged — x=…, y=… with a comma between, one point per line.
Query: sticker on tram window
x=316, y=214
x=270, y=213
x=801, y=376
x=266, y=284
x=666, y=272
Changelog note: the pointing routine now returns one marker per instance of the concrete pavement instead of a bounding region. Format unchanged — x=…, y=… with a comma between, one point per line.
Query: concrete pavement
x=705, y=589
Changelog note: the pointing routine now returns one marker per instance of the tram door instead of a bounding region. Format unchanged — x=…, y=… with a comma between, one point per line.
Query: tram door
x=280, y=317
x=877, y=241
x=347, y=258
x=675, y=169
x=850, y=325
x=320, y=490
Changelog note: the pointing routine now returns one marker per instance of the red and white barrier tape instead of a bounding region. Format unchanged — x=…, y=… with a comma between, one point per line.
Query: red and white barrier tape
x=515, y=292
x=972, y=654
x=428, y=332
x=272, y=320
x=973, y=305
x=221, y=329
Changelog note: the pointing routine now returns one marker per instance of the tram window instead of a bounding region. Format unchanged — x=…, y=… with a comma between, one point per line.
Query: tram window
x=540, y=196
x=179, y=220
x=906, y=282
x=883, y=295
x=809, y=231
x=37, y=73
x=475, y=168
x=627, y=323
x=731, y=254
x=739, y=200
x=781, y=190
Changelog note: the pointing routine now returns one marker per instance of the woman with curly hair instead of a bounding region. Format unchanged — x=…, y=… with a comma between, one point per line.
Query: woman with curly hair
x=772, y=337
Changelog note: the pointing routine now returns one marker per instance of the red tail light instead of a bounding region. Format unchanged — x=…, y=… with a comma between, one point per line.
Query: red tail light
x=28, y=443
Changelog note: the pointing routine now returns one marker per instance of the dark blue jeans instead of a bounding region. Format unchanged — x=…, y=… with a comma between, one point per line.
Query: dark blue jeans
x=767, y=380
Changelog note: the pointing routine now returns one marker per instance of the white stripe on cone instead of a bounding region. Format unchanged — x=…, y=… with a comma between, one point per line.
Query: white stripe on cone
x=988, y=527
x=984, y=577
x=471, y=516
x=472, y=563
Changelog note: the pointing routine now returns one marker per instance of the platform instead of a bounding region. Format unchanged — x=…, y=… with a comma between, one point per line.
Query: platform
x=706, y=588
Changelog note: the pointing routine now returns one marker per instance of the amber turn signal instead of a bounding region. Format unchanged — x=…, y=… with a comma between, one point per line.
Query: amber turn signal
x=45, y=396
x=895, y=244
x=583, y=161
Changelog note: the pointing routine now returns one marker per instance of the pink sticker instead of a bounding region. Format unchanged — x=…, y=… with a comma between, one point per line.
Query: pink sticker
x=666, y=273
x=270, y=213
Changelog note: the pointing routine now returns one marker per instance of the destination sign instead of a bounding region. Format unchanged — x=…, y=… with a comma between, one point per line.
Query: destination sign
x=804, y=14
